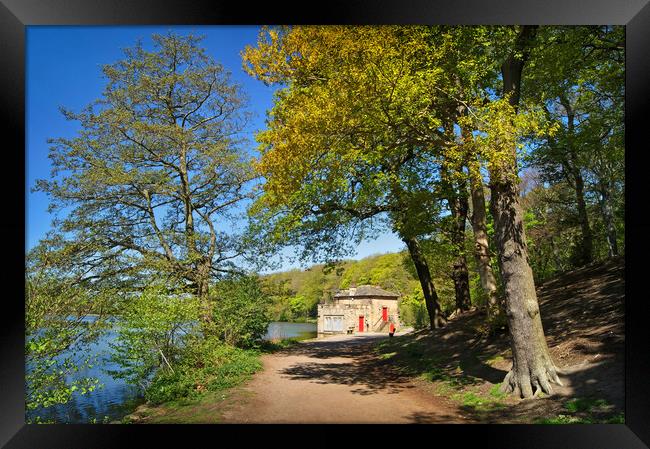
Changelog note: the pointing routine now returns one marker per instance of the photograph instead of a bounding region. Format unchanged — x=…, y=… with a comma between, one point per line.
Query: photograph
x=325, y=224
x=266, y=221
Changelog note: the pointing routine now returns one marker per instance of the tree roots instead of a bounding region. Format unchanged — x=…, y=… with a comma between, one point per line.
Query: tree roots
x=530, y=383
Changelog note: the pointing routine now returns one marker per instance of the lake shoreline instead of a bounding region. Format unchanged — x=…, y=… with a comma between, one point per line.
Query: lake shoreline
x=117, y=399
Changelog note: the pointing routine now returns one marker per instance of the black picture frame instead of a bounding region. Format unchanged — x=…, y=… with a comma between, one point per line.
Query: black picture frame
x=15, y=15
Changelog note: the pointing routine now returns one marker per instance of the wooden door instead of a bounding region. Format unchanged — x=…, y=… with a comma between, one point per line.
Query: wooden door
x=384, y=313
x=361, y=323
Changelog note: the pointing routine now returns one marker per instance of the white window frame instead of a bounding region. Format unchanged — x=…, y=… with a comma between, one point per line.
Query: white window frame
x=333, y=323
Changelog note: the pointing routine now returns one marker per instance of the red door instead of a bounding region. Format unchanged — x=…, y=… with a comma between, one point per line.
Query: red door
x=384, y=313
x=361, y=320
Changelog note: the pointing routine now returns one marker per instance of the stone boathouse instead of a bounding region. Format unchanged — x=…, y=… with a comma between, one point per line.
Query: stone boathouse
x=365, y=308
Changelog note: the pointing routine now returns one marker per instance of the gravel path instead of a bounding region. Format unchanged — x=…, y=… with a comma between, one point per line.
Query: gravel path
x=335, y=380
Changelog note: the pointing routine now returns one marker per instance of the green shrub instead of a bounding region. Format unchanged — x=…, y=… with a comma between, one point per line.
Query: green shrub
x=160, y=348
x=206, y=365
x=241, y=315
x=58, y=335
x=152, y=332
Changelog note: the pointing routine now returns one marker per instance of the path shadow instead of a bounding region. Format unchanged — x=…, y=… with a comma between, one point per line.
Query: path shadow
x=363, y=368
x=431, y=418
x=330, y=348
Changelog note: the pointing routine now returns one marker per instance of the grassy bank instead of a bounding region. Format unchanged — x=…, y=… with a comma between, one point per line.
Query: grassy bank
x=200, y=395
x=465, y=364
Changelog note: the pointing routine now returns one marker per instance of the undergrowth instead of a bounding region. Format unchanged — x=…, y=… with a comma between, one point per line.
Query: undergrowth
x=207, y=366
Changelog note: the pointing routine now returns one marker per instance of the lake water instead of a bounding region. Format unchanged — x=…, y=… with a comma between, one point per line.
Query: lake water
x=111, y=400
x=117, y=398
x=282, y=330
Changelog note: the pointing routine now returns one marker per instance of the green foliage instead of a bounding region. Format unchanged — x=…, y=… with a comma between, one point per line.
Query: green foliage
x=333, y=167
x=154, y=171
x=496, y=392
x=413, y=311
x=570, y=419
x=581, y=166
x=586, y=411
x=553, y=230
x=584, y=404
x=295, y=294
x=617, y=419
x=59, y=331
x=240, y=310
x=159, y=347
x=299, y=305
x=153, y=330
x=205, y=365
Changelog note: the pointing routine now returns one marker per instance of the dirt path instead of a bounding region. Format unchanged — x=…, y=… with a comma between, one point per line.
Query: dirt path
x=335, y=380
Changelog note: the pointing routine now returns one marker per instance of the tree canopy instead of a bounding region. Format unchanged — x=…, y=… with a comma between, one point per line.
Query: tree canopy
x=156, y=174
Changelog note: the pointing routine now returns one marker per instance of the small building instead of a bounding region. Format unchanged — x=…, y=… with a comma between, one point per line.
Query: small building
x=365, y=308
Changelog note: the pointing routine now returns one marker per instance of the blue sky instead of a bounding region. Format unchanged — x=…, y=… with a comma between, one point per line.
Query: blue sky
x=64, y=69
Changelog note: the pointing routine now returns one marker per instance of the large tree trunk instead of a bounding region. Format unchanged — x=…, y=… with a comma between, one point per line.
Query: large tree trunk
x=481, y=244
x=460, y=274
x=532, y=364
x=532, y=369
x=608, y=218
x=436, y=318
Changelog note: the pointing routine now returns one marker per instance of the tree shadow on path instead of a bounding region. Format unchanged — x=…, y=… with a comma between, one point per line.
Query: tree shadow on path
x=361, y=366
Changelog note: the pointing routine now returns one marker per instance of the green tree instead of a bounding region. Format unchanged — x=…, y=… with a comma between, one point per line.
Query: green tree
x=153, y=329
x=494, y=126
x=342, y=146
x=578, y=76
x=63, y=317
x=532, y=363
x=154, y=171
x=412, y=310
x=56, y=346
x=241, y=310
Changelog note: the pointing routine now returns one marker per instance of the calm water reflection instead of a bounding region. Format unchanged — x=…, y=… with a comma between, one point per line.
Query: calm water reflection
x=111, y=400
x=281, y=330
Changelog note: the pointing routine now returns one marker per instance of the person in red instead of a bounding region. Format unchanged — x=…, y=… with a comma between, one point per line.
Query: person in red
x=391, y=329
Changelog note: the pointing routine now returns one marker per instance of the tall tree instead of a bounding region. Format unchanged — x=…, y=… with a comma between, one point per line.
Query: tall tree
x=578, y=77
x=155, y=171
x=470, y=65
x=344, y=139
x=455, y=188
x=533, y=369
x=479, y=226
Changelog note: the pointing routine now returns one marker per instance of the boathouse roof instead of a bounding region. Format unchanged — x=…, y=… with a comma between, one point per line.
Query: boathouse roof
x=365, y=291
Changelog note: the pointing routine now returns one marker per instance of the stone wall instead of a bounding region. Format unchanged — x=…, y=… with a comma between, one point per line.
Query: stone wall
x=377, y=304
x=351, y=309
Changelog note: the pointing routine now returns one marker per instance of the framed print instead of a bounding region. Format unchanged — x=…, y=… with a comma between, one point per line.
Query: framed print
x=172, y=154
